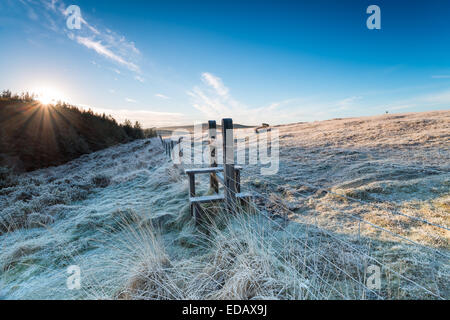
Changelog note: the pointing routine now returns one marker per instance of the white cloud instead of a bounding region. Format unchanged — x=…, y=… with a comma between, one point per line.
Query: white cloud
x=441, y=76
x=214, y=101
x=98, y=47
x=216, y=83
x=159, y=95
x=105, y=42
x=346, y=104
x=130, y=100
x=139, y=78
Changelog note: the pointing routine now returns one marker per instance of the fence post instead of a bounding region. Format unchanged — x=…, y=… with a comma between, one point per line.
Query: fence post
x=228, y=163
x=192, y=194
x=168, y=147
x=213, y=182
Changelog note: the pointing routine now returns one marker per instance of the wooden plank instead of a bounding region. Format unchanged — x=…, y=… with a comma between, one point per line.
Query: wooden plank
x=214, y=184
x=203, y=170
x=192, y=185
x=203, y=199
x=192, y=193
x=237, y=180
x=228, y=162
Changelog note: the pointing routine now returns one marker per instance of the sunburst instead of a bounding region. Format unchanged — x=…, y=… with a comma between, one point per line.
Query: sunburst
x=49, y=95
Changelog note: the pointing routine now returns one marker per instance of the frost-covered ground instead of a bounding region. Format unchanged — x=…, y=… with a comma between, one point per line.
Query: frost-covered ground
x=64, y=215
x=349, y=193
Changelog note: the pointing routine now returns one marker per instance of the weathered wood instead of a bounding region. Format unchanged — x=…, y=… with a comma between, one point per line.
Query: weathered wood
x=228, y=174
x=208, y=170
x=237, y=180
x=168, y=148
x=228, y=162
x=203, y=170
x=214, y=184
x=192, y=193
x=203, y=199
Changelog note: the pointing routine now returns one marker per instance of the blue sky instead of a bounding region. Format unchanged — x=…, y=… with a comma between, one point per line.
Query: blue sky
x=177, y=62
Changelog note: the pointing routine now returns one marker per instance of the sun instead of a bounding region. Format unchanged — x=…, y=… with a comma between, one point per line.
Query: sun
x=49, y=95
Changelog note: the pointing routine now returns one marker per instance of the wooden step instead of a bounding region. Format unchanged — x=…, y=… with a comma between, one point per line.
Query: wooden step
x=208, y=170
x=203, y=199
x=203, y=170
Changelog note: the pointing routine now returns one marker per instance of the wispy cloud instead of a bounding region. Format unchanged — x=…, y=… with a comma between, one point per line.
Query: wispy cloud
x=431, y=101
x=139, y=78
x=105, y=42
x=441, y=76
x=213, y=98
x=214, y=101
x=216, y=83
x=130, y=100
x=104, y=51
x=159, y=95
x=346, y=103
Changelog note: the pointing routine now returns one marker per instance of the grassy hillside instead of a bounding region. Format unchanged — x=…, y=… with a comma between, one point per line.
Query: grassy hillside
x=33, y=135
x=349, y=194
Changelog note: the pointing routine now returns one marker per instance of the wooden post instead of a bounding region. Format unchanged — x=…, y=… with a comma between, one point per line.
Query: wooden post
x=228, y=163
x=237, y=178
x=192, y=193
x=168, y=147
x=213, y=182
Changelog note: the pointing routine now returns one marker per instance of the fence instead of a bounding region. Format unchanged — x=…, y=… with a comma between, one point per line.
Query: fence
x=228, y=174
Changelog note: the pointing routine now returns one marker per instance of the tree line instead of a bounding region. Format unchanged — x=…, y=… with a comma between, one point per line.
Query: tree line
x=34, y=135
